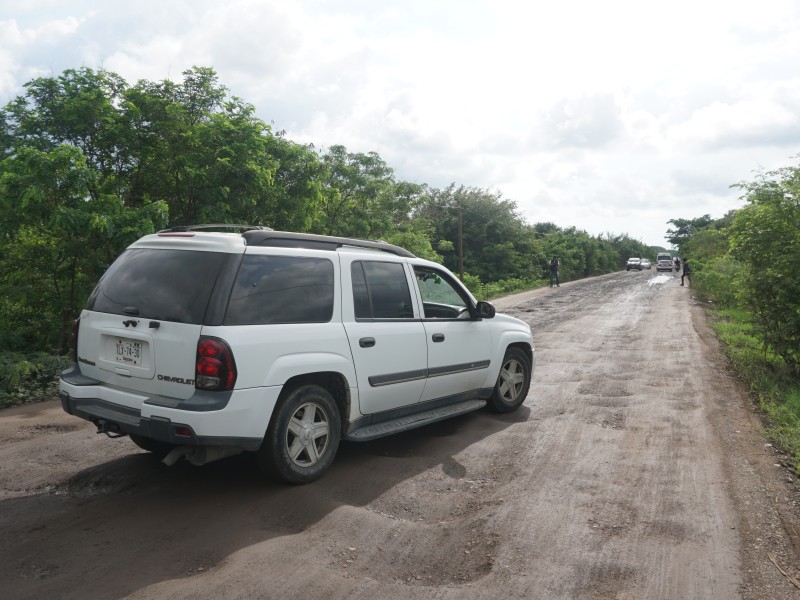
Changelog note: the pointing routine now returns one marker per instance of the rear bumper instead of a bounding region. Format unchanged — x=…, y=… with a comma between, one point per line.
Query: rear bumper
x=237, y=418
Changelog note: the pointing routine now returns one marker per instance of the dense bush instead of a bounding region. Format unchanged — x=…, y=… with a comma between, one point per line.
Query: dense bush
x=765, y=238
x=748, y=262
x=29, y=377
x=717, y=279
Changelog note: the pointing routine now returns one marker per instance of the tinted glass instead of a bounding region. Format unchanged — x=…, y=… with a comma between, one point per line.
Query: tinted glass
x=361, y=303
x=387, y=293
x=281, y=289
x=168, y=285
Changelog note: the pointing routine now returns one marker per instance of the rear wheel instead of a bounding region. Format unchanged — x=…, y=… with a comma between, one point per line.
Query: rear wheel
x=512, y=383
x=303, y=436
x=159, y=449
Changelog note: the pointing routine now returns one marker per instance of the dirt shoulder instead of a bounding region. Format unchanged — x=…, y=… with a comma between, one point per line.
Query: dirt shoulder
x=636, y=469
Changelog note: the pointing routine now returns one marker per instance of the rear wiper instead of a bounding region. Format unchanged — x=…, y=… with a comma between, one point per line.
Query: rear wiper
x=131, y=310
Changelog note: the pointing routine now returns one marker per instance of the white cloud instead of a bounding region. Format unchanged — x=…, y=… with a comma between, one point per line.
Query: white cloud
x=751, y=122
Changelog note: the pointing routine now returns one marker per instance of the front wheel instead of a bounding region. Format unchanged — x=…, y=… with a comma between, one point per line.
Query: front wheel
x=512, y=383
x=303, y=436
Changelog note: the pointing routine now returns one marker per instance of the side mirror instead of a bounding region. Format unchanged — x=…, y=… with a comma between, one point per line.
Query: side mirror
x=485, y=310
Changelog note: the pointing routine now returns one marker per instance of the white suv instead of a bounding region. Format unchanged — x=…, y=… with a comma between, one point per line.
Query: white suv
x=205, y=344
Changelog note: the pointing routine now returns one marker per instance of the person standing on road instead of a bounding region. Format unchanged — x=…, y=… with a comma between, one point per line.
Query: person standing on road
x=687, y=272
x=554, y=271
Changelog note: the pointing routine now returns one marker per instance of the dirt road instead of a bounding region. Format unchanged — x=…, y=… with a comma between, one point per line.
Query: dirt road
x=635, y=469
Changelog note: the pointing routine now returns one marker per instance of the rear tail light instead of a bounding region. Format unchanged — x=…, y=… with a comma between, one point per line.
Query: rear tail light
x=215, y=369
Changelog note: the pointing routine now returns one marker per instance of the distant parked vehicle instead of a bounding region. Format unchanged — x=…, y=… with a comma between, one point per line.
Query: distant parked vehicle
x=646, y=264
x=634, y=263
x=664, y=262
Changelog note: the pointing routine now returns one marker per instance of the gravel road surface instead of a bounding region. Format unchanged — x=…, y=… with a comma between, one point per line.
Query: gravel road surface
x=635, y=469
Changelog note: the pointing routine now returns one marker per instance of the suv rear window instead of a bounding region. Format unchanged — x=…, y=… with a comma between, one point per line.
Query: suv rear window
x=168, y=285
x=281, y=289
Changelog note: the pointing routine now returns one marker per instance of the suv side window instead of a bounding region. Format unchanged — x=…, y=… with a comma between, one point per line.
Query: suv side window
x=440, y=298
x=380, y=291
x=281, y=289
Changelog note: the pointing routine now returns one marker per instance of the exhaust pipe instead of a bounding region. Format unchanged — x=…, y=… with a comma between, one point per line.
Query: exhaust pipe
x=200, y=455
x=176, y=454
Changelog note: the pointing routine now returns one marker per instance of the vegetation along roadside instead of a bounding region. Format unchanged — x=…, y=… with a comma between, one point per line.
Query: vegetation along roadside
x=745, y=264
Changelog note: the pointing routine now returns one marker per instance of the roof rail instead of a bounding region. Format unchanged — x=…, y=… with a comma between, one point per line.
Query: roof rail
x=286, y=239
x=180, y=228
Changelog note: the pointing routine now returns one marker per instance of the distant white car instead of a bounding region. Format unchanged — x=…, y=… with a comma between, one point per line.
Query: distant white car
x=664, y=262
x=634, y=263
x=646, y=264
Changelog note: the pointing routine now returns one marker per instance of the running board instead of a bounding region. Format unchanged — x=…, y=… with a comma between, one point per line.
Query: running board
x=384, y=428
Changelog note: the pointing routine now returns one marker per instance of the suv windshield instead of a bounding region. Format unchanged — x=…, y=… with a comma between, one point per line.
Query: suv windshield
x=169, y=285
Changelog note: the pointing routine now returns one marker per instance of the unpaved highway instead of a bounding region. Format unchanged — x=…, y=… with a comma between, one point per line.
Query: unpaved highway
x=635, y=469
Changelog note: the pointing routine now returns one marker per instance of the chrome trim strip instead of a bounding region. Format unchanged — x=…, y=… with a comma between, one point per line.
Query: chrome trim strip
x=391, y=378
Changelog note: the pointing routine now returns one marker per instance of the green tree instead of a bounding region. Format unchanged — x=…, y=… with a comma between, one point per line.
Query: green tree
x=205, y=154
x=293, y=200
x=495, y=240
x=61, y=239
x=90, y=164
x=765, y=238
x=357, y=194
x=684, y=228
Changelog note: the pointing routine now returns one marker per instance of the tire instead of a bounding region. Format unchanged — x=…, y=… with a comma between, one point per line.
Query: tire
x=513, y=382
x=159, y=449
x=302, y=437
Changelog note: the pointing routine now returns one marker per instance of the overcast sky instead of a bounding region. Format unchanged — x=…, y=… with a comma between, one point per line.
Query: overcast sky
x=612, y=117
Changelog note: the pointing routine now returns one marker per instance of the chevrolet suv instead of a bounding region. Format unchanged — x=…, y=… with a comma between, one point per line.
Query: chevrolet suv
x=203, y=344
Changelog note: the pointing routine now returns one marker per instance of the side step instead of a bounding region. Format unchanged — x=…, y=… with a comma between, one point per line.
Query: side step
x=384, y=428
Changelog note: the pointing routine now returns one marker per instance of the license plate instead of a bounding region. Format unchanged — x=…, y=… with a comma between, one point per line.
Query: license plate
x=129, y=352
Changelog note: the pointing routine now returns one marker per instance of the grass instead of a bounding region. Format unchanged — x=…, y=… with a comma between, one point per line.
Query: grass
x=776, y=388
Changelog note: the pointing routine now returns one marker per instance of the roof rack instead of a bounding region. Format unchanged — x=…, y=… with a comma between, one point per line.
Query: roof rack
x=182, y=228
x=285, y=239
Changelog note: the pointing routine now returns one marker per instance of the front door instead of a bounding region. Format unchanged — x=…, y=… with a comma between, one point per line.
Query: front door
x=459, y=347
